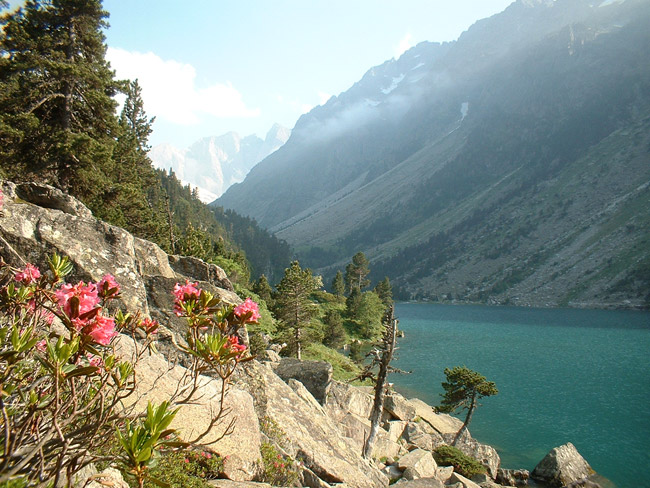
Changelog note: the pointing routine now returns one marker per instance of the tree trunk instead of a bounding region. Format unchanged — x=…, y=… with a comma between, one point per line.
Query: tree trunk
x=390, y=327
x=298, y=348
x=468, y=419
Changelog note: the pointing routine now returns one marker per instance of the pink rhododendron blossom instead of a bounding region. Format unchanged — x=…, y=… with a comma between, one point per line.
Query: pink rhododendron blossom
x=101, y=330
x=183, y=293
x=149, y=326
x=94, y=360
x=106, y=284
x=87, y=295
x=248, y=306
x=28, y=275
x=41, y=345
x=235, y=346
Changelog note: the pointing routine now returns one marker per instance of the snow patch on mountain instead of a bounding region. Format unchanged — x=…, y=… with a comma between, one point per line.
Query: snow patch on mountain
x=394, y=84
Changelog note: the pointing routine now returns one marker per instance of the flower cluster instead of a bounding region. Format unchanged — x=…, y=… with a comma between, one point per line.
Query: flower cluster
x=248, y=311
x=184, y=294
x=28, y=275
x=81, y=304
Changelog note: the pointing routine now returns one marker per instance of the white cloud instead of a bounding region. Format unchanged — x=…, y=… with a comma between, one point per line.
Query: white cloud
x=404, y=45
x=169, y=90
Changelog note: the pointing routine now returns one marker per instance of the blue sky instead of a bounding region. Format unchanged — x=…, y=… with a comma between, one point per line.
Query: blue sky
x=211, y=66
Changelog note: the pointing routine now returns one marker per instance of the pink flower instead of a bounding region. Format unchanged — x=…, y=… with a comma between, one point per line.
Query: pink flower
x=108, y=287
x=208, y=455
x=248, y=310
x=233, y=343
x=102, y=330
x=187, y=461
x=28, y=275
x=96, y=361
x=183, y=293
x=41, y=345
x=149, y=326
x=86, y=294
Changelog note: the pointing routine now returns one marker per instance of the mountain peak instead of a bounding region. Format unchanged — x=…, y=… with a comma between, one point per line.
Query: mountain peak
x=214, y=163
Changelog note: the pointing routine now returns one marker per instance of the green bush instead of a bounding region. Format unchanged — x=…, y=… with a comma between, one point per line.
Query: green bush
x=278, y=470
x=462, y=463
x=187, y=468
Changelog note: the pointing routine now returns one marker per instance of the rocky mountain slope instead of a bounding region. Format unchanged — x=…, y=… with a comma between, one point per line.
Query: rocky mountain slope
x=213, y=164
x=294, y=405
x=510, y=166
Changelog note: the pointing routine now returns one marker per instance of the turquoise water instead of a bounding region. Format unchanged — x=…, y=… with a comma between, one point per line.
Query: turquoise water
x=579, y=376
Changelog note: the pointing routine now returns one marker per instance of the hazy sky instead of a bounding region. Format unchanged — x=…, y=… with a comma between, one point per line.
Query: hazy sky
x=211, y=66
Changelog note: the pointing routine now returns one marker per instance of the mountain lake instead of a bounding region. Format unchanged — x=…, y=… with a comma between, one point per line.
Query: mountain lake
x=564, y=375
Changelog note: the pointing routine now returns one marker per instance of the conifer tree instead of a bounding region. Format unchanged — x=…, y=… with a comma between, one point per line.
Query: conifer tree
x=338, y=285
x=385, y=292
x=463, y=389
x=262, y=288
x=356, y=272
x=293, y=306
x=57, y=114
x=334, y=331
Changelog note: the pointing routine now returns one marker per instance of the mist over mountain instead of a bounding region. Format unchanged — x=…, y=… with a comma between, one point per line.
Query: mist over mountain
x=213, y=164
x=509, y=166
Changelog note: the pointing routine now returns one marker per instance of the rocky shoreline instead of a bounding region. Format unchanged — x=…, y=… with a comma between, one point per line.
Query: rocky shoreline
x=294, y=405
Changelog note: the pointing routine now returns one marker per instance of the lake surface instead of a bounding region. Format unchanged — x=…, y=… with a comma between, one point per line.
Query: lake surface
x=580, y=376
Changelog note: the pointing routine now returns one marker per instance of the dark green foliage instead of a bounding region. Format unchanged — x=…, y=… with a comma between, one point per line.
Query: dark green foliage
x=293, y=305
x=57, y=120
x=385, y=292
x=369, y=314
x=463, y=464
x=463, y=389
x=352, y=302
x=355, y=351
x=187, y=468
x=356, y=272
x=263, y=290
x=338, y=285
x=334, y=331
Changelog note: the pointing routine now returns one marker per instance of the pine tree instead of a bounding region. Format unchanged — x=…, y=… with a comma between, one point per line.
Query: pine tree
x=334, y=331
x=463, y=389
x=57, y=114
x=338, y=285
x=356, y=272
x=293, y=306
x=262, y=288
x=385, y=292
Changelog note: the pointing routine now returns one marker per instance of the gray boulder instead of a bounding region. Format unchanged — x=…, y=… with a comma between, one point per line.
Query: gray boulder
x=561, y=466
x=512, y=477
x=399, y=407
x=420, y=483
x=422, y=435
x=47, y=196
x=315, y=375
x=418, y=464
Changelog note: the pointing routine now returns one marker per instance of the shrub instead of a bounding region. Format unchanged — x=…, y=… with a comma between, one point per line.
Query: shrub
x=187, y=468
x=462, y=463
x=278, y=469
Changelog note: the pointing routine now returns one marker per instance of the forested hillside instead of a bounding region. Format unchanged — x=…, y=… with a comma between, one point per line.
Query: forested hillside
x=58, y=125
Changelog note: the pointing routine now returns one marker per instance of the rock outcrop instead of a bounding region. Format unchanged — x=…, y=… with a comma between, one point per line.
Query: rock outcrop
x=562, y=466
x=315, y=375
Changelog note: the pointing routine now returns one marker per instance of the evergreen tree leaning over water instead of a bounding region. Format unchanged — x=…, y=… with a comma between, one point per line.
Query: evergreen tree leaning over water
x=463, y=389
